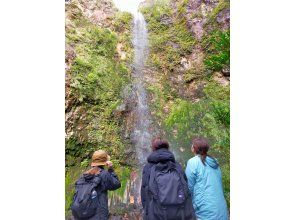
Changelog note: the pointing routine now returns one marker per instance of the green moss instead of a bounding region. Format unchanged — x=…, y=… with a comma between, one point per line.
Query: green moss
x=159, y=99
x=97, y=77
x=214, y=90
x=182, y=7
x=183, y=37
x=210, y=118
x=122, y=21
x=180, y=118
x=75, y=149
x=226, y=182
x=168, y=41
x=221, y=5
x=156, y=11
x=217, y=47
x=122, y=24
x=123, y=174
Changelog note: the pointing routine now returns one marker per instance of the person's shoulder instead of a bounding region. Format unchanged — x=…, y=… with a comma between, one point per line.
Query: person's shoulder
x=103, y=173
x=193, y=161
x=147, y=166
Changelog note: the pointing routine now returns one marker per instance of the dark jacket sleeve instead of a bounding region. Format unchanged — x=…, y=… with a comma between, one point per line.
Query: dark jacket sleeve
x=111, y=181
x=144, y=186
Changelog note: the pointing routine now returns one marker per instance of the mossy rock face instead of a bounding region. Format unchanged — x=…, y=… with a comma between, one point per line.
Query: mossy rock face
x=96, y=75
x=185, y=98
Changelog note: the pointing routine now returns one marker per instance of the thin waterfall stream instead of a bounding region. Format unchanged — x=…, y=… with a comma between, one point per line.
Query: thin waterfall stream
x=142, y=132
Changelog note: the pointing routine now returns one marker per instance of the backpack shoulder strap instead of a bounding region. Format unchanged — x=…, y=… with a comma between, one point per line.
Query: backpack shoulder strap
x=151, y=186
x=148, y=172
x=80, y=181
x=97, y=180
x=152, y=172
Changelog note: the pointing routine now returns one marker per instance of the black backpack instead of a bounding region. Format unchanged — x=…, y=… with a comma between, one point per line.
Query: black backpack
x=86, y=198
x=169, y=192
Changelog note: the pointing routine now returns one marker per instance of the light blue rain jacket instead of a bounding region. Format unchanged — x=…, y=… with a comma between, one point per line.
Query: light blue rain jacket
x=205, y=185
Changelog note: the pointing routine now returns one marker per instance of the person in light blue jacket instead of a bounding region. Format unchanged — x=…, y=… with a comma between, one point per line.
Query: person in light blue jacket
x=205, y=183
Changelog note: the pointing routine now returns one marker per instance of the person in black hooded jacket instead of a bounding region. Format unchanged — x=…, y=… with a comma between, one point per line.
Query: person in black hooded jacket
x=109, y=181
x=160, y=154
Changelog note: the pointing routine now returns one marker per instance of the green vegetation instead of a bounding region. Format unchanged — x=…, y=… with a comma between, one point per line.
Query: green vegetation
x=124, y=175
x=207, y=111
x=222, y=4
x=95, y=79
x=70, y=177
x=169, y=40
x=210, y=117
x=122, y=21
x=94, y=69
x=217, y=46
x=122, y=25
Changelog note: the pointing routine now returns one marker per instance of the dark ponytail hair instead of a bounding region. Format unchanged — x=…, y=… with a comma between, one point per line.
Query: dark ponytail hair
x=201, y=147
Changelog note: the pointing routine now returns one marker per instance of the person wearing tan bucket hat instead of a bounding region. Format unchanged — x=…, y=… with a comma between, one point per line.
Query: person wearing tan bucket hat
x=100, y=158
x=104, y=179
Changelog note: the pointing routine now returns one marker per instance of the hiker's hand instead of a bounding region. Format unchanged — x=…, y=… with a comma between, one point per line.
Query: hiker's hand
x=109, y=164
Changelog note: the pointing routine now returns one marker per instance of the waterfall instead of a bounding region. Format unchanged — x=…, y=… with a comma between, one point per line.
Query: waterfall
x=142, y=132
x=141, y=137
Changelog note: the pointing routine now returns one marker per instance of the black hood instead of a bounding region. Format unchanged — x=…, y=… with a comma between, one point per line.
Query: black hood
x=91, y=178
x=88, y=176
x=161, y=155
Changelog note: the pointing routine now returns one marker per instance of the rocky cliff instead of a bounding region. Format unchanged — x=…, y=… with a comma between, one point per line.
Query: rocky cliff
x=98, y=53
x=189, y=74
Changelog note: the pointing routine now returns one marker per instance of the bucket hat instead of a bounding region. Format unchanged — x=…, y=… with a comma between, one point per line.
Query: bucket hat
x=99, y=158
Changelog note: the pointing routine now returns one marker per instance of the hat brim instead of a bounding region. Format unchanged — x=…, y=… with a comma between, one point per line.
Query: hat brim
x=100, y=163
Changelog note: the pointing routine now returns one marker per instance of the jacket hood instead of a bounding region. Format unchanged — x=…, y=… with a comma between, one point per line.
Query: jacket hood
x=161, y=155
x=88, y=176
x=211, y=162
